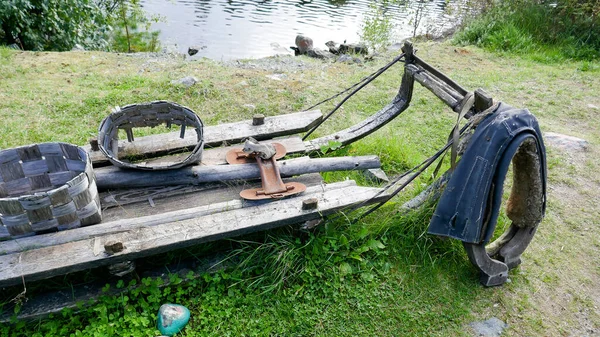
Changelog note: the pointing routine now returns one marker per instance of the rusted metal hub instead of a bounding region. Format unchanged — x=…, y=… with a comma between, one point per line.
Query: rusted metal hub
x=272, y=185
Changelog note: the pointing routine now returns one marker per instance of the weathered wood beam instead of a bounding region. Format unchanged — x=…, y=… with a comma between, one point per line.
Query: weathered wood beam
x=374, y=122
x=483, y=100
x=129, y=203
x=121, y=225
x=440, y=75
x=69, y=257
x=216, y=156
x=214, y=135
x=113, y=178
x=442, y=90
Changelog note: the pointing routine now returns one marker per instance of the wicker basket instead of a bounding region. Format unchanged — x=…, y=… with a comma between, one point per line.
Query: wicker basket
x=46, y=187
x=148, y=115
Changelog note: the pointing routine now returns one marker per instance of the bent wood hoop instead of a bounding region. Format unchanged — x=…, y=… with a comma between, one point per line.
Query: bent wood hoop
x=46, y=187
x=148, y=115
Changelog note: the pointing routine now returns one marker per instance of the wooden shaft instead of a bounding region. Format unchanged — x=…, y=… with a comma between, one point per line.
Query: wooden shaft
x=115, y=178
x=441, y=90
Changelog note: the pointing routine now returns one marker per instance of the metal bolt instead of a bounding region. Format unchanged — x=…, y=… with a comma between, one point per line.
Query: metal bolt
x=94, y=144
x=311, y=203
x=112, y=247
x=258, y=119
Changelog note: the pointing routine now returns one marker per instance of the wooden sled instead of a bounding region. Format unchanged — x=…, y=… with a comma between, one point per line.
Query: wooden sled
x=146, y=213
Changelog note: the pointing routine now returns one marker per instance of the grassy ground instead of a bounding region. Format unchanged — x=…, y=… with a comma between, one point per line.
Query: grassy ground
x=384, y=276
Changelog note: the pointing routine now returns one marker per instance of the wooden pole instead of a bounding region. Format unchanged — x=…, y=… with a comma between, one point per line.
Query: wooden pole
x=114, y=178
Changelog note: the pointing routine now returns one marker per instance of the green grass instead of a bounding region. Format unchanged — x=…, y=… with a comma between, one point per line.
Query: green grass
x=383, y=276
x=567, y=30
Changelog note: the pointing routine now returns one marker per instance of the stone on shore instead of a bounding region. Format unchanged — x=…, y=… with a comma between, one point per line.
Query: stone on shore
x=187, y=81
x=304, y=43
x=351, y=48
x=492, y=327
x=193, y=50
x=320, y=54
x=565, y=142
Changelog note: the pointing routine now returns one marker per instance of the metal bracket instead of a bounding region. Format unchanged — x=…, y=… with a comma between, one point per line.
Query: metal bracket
x=238, y=156
x=272, y=185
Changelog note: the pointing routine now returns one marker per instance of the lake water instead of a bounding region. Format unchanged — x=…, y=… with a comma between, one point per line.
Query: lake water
x=229, y=29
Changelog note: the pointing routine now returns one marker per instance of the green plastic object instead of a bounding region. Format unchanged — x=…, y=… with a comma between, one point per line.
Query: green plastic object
x=172, y=318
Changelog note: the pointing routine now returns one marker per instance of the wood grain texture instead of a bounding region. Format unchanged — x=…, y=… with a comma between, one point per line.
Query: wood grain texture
x=442, y=90
x=134, y=203
x=211, y=206
x=114, y=178
x=46, y=262
x=215, y=135
x=373, y=123
x=216, y=156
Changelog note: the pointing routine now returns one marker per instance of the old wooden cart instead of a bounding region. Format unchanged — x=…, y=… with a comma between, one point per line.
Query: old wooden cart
x=149, y=212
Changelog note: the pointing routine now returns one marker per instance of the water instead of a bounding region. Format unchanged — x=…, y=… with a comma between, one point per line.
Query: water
x=229, y=29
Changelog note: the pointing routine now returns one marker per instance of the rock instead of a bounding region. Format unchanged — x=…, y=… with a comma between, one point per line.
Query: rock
x=333, y=47
x=193, y=50
x=319, y=54
x=344, y=58
x=350, y=48
x=565, y=142
x=592, y=106
x=492, y=327
x=172, y=318
x=304, y=43
x=187, y=81
x=250, y=107
x=277, y=77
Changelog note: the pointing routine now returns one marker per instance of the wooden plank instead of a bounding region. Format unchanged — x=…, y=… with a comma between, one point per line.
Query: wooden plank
x=46, y=262
x=150, y=201
x=216, y=156
x=440, y=89
x=114, y=178
x=127, y=224
x=371, y=124
x=214, y=135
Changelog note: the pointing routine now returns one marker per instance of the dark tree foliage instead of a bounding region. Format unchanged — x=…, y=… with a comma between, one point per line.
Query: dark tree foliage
x=59, y=25
x=52, y=24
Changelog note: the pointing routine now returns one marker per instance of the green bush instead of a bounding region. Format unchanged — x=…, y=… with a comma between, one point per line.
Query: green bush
x=59, y=25
x=566, y=29
x=52, y=24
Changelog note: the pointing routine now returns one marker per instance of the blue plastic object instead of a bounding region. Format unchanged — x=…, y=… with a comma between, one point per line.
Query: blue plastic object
x=172, y=318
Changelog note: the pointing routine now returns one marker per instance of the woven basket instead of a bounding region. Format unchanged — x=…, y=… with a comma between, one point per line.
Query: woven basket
x=148, y=115
x=46, y=187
